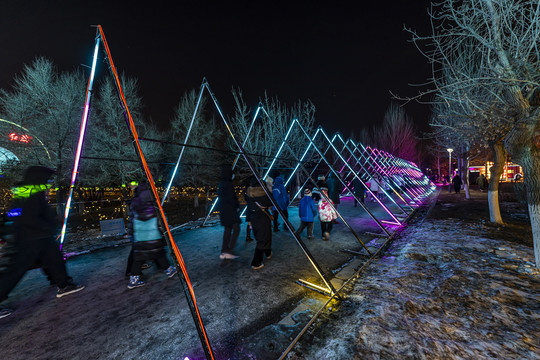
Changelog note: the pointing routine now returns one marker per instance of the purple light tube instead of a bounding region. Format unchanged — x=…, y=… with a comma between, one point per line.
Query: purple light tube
x=380, y=203
x=81, y=141
x=383, y=190
x=369, y=156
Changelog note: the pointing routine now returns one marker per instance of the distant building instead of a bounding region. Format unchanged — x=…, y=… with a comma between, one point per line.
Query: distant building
x=511, y=172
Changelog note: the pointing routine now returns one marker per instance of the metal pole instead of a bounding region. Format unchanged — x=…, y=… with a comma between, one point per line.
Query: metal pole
x=182, y=274
x=81, y=140
x=303, y=246
x=183, y=147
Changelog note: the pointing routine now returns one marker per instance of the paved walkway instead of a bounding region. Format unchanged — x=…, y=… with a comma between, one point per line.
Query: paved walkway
x=238, y=304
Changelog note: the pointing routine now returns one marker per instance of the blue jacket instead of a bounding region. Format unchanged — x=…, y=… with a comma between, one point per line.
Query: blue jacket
x=307, y=209
x=280, y=193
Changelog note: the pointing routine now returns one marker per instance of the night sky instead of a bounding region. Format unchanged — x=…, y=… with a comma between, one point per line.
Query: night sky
x=344, y=56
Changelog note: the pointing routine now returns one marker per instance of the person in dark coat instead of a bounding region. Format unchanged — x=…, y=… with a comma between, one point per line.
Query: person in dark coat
x=457, y=183
x=147, y=237
x=334, y=190
x=228, y=213
x=359, y=190
x=282, y=198
x=133, y=186
x=258, y=208
x=34, y=230
x=316, y=192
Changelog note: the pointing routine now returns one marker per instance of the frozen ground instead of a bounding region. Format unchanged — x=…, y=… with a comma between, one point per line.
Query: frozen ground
x=452, y=287
x=241, y=308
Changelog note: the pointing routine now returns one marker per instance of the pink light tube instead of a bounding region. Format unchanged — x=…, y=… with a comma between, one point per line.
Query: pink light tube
x=81, y=140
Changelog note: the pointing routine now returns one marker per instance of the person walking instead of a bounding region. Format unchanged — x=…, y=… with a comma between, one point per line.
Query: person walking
x=374, y=187
x=282, y=199
x=32, y=239
x=316, y=192
x=457, y=183
x=307, y=211
x=258, y=208
x=334, y=190
x=228, y=213
x=147, y=237
x=133, y=185
x=481, y=182
x=326, y=215
x=359, y=190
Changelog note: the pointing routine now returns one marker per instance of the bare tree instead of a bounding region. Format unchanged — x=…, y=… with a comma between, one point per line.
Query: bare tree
x=48, y=104
x=397, y=134
x=199, y=166
x=500, y=37
x=269, y=131
x=111, y=157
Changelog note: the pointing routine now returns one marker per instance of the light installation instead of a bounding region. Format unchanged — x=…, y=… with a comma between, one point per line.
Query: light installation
x=369, y=160
x=185, y=142
x=81, y=140
x=235, y=161
x=331, y=290
x=356, y=175
x=182, y=274
x=323, y=158
x=315, y=265
x=397, y=221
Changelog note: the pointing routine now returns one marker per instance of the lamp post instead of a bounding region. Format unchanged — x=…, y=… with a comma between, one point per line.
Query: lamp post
x=449, y=169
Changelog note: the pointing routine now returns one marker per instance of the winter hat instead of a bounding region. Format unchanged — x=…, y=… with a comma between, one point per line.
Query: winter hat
x=307, y=192
x=37, y=175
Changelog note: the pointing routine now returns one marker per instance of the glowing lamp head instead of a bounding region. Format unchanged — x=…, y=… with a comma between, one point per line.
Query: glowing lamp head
x=450, y=150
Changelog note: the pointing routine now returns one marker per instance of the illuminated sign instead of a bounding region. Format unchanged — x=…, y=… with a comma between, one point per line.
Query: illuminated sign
x=24, y=138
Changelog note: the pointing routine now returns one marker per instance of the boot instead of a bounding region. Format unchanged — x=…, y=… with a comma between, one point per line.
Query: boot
x=248, y=234
x=135, y=281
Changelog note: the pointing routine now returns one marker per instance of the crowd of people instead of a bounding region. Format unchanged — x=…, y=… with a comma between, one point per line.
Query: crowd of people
x=32, y=234
x=320, y=201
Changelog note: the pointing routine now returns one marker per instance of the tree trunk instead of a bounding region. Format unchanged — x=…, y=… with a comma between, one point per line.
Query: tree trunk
x=499, y=157
x=523, y=144
x=206, y=202
x=439, y=165
x=465, y=172
x=196, y=199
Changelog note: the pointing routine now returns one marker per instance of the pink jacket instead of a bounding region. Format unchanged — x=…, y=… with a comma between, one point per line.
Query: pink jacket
x=326, y=212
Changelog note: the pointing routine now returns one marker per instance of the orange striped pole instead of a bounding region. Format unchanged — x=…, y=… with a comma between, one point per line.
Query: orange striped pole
x=188, y=288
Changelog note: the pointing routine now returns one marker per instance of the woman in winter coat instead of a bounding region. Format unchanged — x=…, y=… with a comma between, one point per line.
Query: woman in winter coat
x=326, y=215
x=147, y=237
x=228, y=213
x=258, y=208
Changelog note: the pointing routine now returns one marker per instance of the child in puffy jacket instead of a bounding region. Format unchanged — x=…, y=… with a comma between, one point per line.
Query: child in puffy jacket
x=326, y=215
x=307, y=211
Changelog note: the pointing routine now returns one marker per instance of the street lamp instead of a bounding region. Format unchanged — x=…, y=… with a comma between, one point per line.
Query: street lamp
x=449, y=169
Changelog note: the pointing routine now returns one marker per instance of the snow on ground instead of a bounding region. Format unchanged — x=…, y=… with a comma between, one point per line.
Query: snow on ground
x=451, y=287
